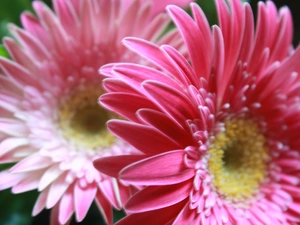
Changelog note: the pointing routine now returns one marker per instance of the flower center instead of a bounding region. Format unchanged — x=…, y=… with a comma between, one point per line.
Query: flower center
x=238, y=159
x=82, y=120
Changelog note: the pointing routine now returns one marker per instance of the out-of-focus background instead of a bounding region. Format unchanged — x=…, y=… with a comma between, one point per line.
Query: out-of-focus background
x=16, y=209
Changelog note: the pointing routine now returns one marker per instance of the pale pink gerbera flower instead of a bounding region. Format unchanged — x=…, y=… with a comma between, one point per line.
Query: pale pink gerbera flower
x=219, y=130
x=158, y=6
x=50, y=123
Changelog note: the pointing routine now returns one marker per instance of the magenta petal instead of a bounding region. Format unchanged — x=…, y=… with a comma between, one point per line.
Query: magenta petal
x=157, y=197
x=104, y=207
x=164, y=124
x=185, y=216
x=174, y=103
x=198, y=51
x=166, y=168
x=115, y=85
x=113, y=164
x=137, y=135
x=155, y=217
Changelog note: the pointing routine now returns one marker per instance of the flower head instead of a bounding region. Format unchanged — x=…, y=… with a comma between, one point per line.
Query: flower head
x=219, y=128
x=52, y=127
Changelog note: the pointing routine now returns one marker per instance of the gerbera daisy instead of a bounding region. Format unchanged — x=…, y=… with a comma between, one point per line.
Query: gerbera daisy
x=51, y=126
x=219, y=129
x=158, y=6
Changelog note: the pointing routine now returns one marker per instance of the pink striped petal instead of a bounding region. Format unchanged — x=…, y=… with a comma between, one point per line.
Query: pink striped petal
x=115, y=85
x=186, y=216
x=174, y=103
x=191, y=34
x=163, y=169
x=157, y=197
x=151, y=217
x=129, y=103
x=113, y=164
x=134, y=75
x=163, y=123
x=150, y=51
x=137, y=135
x=17, y=73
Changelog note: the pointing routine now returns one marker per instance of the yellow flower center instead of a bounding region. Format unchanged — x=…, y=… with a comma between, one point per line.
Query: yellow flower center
x=238, y=159
x=82, y=120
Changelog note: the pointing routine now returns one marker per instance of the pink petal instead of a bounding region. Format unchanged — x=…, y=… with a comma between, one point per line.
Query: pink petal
x=17, y=73
x=32, y=163
x=105, y=208
x=28, y=183
x=151, y=217
x=13, y=127
x=107, y=189
x=125, y=104
x=134, y=75
x=66, y=206
x=83, y=198
x=18, y=54
x=137, y=135
x=164, y=169
x=174, y=103
x=116, y=85
x=9, y=180
x=12, y=143
x=49, y=176
x=150, y=51
x=35, y=39
x=197, y=48
x=40, y=202
x=163, y=123
x=186, y=216
x=57, y=190
x=113, y=164
x=157, y=197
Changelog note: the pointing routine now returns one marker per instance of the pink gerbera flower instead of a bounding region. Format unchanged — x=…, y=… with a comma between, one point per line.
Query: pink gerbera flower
x=51, y=126
x=159, y=5
x=219, y=130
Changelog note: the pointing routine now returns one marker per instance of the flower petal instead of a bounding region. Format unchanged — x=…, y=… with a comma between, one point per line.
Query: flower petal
x=113, y=164
x=163, y=169
x=137, y=135
x=157, y=197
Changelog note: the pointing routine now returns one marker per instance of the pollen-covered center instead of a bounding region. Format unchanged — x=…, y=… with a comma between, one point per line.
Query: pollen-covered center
x=82, y=120
x=238, y=159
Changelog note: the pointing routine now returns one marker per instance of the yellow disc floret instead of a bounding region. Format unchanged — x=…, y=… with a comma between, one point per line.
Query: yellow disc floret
x=238, y=159
x=82, y=120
